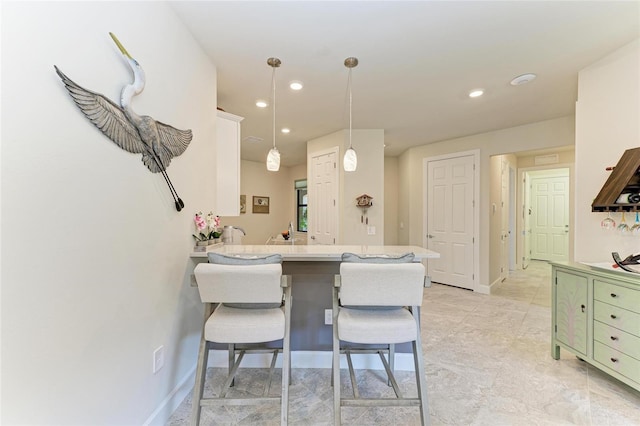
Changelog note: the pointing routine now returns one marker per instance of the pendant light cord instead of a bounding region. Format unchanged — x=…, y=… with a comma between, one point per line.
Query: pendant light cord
x=273, y=85
x=350, y=108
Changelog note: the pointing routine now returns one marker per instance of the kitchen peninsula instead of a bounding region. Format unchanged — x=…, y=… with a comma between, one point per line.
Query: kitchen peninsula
x=312, y=268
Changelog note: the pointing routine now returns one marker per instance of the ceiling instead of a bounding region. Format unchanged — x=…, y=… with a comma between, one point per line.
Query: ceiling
x=417, y=62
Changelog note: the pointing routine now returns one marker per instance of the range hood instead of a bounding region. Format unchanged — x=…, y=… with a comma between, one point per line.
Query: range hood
x=620, y=191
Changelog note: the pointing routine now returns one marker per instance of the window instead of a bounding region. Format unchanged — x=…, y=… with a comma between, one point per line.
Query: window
x=301, y=197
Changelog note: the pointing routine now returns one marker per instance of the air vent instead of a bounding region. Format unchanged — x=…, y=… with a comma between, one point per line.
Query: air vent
x=546, y=159
x=252, y=139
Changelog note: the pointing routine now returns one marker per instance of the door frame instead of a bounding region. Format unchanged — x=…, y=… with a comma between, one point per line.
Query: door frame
x=476, y=208
x=521, y=203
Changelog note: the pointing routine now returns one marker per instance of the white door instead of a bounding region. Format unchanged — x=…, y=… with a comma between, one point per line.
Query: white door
x=550, y=218
x=450, y=220
x=512, y=219
x=526, y=219
x=504, y=221
x=322, y=209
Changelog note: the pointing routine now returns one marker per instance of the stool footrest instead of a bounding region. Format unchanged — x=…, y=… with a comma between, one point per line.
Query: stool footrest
x=259, y=400
x=380, y=402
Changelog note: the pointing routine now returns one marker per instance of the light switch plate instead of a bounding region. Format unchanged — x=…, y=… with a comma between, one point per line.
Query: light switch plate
x=158, y=359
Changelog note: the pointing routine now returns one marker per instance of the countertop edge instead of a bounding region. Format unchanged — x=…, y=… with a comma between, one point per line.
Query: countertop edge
x=318, y=253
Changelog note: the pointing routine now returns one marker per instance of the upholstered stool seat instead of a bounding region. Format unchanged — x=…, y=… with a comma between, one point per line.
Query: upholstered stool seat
x=241, y=325
x=376, y=326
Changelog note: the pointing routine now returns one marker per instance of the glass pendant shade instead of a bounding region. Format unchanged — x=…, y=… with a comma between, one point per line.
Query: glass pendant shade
x=273, y=160
x=350, y=161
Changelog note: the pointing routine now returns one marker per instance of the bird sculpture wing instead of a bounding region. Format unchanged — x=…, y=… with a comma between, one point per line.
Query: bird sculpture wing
x=173, y=142
x=106, y=115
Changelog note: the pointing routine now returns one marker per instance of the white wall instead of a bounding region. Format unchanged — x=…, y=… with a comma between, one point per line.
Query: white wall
x=545, y=134
x=94, y=255
x=391, y=196
x=607, y=124
x=367, y=179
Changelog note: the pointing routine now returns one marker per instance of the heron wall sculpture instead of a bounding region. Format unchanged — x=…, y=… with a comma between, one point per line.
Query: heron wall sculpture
x=157, y=142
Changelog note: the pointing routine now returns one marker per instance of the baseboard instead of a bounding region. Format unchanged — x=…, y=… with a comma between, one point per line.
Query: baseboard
x=486, y=289
x=168, y=405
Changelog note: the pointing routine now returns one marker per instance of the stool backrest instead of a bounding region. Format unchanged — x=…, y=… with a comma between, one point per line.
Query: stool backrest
x=374, y=284
x=239, y=283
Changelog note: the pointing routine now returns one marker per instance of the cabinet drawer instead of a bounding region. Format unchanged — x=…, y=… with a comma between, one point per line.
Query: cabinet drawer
x=619, y=318
x=626, y=343
x=617, y=295
x=617, y=361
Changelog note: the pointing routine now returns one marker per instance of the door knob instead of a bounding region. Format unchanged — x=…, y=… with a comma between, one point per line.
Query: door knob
x=313, y=237
x=430, y=236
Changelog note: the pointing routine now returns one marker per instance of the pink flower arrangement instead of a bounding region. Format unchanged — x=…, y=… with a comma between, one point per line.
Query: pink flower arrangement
x=206, y=229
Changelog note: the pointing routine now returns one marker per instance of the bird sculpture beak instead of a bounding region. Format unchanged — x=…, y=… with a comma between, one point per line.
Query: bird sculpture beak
x=120, y=46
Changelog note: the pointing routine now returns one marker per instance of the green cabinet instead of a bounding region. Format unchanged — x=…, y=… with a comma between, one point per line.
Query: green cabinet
x=595, y=315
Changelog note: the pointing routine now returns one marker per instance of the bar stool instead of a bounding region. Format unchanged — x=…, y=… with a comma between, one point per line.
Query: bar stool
x=378, y=304
x=254, y=306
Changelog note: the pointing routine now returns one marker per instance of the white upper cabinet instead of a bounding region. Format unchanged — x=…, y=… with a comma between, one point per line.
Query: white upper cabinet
x=228, y=164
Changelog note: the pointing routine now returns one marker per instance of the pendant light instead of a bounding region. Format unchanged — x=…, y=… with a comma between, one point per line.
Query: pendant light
x=350, y=161
x=273, y=158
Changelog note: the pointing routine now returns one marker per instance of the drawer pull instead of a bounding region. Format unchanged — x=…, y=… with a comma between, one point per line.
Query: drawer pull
x=613, y=316
x=614, y=295
x=582, y=307
x=614, y=338
x=614, y=359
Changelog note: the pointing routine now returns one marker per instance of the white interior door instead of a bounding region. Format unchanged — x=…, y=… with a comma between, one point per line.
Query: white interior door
x=526, y=220
x=550, y=218
x=322, y=209
x=512, y=219
x=450, y=220
x=504, y=221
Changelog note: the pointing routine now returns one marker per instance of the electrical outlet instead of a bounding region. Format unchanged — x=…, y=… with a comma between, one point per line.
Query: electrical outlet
x=371, y=230
x=328, y=317
x=158, y=359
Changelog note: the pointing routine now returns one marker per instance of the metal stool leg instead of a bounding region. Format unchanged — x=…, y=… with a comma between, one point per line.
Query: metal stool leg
x=232, y=359
x=335, y=376
x=392, y=359
x=201, y=371
x=286, y=360
x=421, y=381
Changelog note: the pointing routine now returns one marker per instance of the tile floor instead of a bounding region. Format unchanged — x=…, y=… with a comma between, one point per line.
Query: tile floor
x=488, y=362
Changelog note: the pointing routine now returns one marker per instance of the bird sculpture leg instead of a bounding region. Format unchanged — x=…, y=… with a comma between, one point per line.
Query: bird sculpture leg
x=178, y=201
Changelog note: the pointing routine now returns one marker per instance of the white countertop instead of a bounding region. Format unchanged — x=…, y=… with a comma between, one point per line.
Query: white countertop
x=611, y=266
x=318, y=252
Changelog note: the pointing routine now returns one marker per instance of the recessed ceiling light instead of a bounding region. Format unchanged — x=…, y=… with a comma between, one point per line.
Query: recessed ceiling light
x=295, y=85
x=475, y=93
x=285, y=130
x=522, y=79
x=261, y=104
